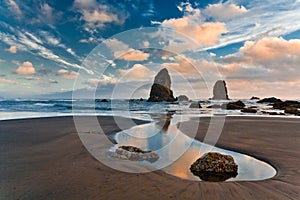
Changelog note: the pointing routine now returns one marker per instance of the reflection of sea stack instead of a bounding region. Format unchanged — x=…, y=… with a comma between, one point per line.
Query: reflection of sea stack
x=161, y=88
x=220, y=91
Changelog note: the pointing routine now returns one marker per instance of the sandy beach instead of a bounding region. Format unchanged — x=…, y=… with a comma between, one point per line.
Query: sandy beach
x=45, y=159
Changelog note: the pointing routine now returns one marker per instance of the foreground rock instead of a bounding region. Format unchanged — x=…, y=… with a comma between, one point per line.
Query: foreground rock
x=182, y=98
x=249, y=110
x=195, y=105
x=161, y=88
x=220, y=91
x=134, y=154
x=269, y=100
x=233, y=105
x=214, y=106
x=214, y=166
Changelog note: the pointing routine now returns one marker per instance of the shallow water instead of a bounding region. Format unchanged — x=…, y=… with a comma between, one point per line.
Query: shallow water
x=177, y=151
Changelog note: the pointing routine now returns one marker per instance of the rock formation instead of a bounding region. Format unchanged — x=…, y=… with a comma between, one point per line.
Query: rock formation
x=195, y=105
x=249, y=110
x=255, y=98
x=214, y=166
x=233, y=105
x=134, y=154
x=220, y=91
x=182, y=98
x=161, y=88
x=269, y=100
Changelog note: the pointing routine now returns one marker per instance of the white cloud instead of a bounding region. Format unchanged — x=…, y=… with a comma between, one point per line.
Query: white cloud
x=7, y=81
x=121, y=50
x=14, y=7
x=31, y=43
x=224, y=11
x=193, y=26
x=12, y=49
x=137, y=72
x=67, y=74
x=26, y=68
x=97, y=15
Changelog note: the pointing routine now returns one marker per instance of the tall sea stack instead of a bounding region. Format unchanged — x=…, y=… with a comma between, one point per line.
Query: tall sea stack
x=220, y=91
x=161, y=88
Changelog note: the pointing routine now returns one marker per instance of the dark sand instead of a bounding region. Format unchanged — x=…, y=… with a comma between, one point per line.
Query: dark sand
x=45, y=159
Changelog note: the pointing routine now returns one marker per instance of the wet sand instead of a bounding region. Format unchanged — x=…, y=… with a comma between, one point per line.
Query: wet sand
x=45, y=159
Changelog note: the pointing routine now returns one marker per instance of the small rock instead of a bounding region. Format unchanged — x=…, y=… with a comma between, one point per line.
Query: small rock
x=255, y=98
x=291, y=110
x=249, y=110
x=135, y=154
x=233, y=105
x=182, y=98
x=195, y=105
x=214, y=106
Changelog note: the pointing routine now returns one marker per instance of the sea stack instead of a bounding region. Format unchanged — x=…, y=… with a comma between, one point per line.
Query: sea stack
x=161, y=88
x=220, y=91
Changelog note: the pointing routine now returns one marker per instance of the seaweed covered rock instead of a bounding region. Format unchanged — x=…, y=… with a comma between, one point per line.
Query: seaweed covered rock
x=214, y=166
x=135, y=154
x=161, y=88
x=220, y=91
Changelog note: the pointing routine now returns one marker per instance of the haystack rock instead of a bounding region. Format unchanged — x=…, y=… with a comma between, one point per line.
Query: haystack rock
x=220, y=91
x=161, y=88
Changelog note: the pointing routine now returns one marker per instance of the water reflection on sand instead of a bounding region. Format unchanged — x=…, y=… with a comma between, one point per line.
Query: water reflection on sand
x=163, y=137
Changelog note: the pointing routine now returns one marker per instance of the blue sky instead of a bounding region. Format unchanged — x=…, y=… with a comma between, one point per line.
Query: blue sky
x=45, y=46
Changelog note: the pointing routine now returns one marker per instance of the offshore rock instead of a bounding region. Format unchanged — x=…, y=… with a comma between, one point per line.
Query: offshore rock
x=161, y=88
x=195, y=105
x=182, y=98
x=214, y=166
x=269, y=100
x=233, y=105
x=220, y=91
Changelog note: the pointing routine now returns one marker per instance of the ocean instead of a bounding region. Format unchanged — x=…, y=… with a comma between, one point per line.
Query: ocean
x=28, y=108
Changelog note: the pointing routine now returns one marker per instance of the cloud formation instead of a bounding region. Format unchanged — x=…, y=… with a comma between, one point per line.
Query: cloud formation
x=224, y=11
x=12, y=49
x=7, y=81
x=67, y=74
x=193, y=26
x=96, y=15
x=121, y=50
x=26, y=68
x=137, y=72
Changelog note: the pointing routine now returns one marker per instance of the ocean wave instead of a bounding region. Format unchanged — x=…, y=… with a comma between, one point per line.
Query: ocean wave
x=45, y=104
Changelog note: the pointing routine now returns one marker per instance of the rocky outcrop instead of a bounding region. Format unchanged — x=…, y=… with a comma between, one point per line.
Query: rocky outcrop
x=195, y=105
x=272, y=113
x=233, y=105
x=182, y=98
x=291, y=110
x=220, y=91
x=269, y=100
x=249, y=110
x=161, y=88
x=134, y=154
x=283, y=105
x=214, y=166
x=255, y=98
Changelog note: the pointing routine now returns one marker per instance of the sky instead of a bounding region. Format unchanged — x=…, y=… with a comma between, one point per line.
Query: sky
x=116, y=47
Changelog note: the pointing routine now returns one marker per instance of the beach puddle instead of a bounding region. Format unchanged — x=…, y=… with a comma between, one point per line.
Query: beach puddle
x=178, y=151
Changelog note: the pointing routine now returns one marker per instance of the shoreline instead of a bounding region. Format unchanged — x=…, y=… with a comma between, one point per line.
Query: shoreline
x=44, y=158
